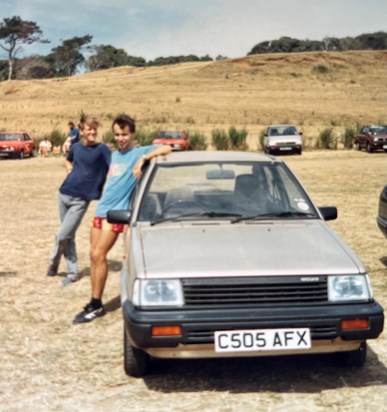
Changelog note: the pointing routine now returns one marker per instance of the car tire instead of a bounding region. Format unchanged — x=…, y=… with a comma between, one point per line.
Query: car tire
x=21, y=155
x=299, y=151
x=355, y=358
x=136, y=361
x=369, y=148
x=32, y=153
x=357, y=146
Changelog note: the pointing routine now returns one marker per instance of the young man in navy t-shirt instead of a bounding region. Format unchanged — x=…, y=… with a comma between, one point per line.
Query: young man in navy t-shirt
x=87, y=164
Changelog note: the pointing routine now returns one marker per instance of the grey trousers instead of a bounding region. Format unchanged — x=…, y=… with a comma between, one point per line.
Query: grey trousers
x=71, y=210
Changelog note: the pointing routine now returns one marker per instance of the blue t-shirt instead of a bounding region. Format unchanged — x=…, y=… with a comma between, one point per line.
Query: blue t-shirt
x=74, y=135
x=121, y=181
x=90, y=166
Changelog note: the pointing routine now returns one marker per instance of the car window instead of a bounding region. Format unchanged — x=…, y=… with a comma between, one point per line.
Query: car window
x=241, y=189
x=10, y=137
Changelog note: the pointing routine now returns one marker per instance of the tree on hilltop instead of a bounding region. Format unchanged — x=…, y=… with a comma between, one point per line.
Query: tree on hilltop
x=65, y=59
x=107, y=57
x=14, y=32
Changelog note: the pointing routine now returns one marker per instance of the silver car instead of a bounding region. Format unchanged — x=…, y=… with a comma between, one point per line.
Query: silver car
x=282, y=139
x=228, y=256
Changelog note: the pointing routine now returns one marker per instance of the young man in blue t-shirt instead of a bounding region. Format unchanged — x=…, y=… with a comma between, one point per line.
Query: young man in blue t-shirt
x=87, y=164
x=124, y=172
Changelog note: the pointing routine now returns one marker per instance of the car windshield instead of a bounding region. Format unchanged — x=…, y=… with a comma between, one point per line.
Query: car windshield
x=233, y=191
x=378, y=129
x=10, y=137
x=284, y=130
x=170, y=135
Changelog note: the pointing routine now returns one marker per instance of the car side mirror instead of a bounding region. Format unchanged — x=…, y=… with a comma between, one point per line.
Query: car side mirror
x=328, y=212
x=119, y=216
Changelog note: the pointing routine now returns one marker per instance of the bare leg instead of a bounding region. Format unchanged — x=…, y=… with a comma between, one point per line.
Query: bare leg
x=101, y=241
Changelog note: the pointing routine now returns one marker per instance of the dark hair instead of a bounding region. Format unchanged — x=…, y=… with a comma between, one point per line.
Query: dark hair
x=71, y=124
x=123, y=120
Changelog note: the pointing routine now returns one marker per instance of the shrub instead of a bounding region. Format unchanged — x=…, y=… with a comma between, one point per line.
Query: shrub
x=56, y=137
x=320, y=69
x=220, y=139
x=326, y=139
x=198, y=141
x=261, y=138
x=237, y=138
x=348, y=136
x=145, y=137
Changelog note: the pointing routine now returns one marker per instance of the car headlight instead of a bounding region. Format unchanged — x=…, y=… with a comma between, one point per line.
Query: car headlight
x=376, y=139
x=157, y=292
x=349, y=288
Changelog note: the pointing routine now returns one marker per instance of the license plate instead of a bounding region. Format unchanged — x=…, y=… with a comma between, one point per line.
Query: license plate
x=262, y=339
x=385, y=146
x=4, y=154
x=285, y=148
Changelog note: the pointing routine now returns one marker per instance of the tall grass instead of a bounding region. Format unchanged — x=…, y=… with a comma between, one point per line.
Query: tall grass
x=326, y=139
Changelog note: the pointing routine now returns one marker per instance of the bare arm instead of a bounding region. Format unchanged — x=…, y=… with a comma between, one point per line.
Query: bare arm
x=159, y=151
x=68, y=166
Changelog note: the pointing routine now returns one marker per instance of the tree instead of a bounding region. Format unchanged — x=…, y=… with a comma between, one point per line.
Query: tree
x=14, y=32
x=65, y=59
x=107, y=56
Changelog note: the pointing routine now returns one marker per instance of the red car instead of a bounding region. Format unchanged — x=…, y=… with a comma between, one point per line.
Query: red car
x=16, y=144
x=177, y=139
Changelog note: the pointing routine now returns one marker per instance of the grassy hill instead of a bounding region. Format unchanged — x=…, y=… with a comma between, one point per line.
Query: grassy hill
x=311, y=90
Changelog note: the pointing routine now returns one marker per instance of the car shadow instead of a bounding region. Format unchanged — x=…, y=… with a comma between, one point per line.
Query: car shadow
x=8, y=273
x=301, y=373
x=383, y=260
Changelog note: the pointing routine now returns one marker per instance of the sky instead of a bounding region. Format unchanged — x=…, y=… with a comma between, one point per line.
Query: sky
x=162, y=28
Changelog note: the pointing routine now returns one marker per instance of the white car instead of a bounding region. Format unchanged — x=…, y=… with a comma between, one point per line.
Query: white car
x=228, y=256
x=281, y=139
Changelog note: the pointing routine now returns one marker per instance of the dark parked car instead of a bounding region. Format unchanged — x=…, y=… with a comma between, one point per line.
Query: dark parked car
x=228, y=256
x=371, y=138
x=16, y=144
x=382, y=213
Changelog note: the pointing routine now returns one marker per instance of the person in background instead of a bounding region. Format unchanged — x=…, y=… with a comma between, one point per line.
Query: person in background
x=74, y=134
x=124, y=172
x=45, y=147
x=86, y=164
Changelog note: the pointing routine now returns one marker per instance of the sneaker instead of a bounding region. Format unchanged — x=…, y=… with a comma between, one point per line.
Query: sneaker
x=88, y=314
x=52, y=270
x=69, y=279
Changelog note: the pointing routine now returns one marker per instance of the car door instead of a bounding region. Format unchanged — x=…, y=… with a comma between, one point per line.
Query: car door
x=27, y=143
x=363, y=136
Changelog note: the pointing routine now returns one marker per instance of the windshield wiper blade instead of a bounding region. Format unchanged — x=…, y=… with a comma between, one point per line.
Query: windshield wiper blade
x=195, y=214
x=287, y=213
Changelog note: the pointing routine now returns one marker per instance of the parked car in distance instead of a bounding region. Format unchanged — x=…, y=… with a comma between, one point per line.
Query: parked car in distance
x=381, y=219
x=371, y=138
x=281, y=139
x=228, y=256
x=16, y=144
x=177, y=139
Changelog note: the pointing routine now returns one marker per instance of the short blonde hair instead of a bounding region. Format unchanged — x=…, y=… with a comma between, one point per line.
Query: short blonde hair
x=90, y=121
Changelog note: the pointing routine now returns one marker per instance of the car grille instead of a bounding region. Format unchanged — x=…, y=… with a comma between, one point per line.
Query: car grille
x=255, y=291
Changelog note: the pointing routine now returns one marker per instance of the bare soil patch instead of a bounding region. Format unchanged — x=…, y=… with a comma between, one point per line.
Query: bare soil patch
x=48, y=364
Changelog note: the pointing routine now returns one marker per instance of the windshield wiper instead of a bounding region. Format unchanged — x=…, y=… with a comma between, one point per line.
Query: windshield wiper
x=211, y=214
x=263, y=216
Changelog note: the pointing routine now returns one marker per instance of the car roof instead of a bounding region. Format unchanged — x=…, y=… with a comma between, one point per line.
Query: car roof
x=282, y=125
x=215, y=156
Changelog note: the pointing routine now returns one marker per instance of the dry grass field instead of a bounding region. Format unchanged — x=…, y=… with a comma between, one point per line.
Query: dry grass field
x=48, y=364
x=248, y=92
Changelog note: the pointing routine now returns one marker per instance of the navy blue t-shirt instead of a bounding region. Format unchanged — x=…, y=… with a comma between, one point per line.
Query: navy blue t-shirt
x=90, y=166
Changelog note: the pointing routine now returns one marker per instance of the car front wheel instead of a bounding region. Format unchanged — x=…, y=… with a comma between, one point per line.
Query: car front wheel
x=357, y=146
x=21, y=154
x=136, y=361
x=369, y=148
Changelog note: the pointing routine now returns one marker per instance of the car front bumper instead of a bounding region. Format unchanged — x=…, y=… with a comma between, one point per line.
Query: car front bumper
x=198, y=327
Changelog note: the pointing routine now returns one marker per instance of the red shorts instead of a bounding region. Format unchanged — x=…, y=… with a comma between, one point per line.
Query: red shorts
x=103, y=224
